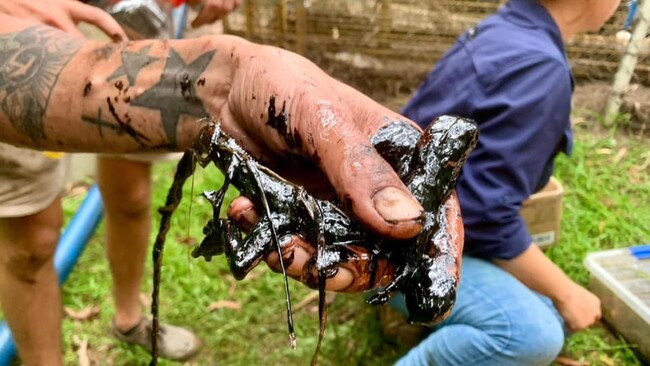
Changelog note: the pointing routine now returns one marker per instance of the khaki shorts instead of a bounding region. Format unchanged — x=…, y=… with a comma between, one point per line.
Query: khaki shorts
x=29, y=180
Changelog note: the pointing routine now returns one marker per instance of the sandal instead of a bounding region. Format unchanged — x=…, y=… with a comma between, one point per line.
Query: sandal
x=174, y=343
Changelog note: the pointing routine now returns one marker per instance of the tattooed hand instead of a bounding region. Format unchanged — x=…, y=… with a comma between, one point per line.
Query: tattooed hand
x=288, y=112
x=63, y=14
x=212, y=10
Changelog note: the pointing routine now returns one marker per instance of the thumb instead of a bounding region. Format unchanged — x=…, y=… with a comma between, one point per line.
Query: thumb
x=365, y=182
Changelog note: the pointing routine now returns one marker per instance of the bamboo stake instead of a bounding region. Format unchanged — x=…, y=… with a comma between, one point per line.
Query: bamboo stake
x=628, y=63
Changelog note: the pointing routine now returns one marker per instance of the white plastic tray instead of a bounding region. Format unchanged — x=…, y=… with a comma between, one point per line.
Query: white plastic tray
x=622, y=281
x=622, y=273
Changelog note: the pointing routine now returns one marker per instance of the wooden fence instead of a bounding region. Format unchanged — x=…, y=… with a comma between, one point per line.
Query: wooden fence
x=402, y=39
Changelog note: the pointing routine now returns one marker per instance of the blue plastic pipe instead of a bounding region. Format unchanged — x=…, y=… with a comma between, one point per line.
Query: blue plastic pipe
x=69, y=249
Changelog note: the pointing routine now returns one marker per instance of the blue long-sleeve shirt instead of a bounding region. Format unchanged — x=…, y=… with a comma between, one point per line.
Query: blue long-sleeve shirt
x=510, y=74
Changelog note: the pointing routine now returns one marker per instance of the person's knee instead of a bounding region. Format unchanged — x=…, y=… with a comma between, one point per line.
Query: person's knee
x=133, y=201
x=552, y=344
x=125, y=186
x=24, y=257
x=541, y=343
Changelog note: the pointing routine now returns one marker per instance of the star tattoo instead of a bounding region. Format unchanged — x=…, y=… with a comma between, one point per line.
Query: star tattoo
x=132, y=63
x=175, y=93
x=104, y=53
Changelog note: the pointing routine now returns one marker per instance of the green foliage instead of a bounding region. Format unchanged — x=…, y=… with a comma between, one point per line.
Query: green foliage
x=599, y=346
x=606, y=200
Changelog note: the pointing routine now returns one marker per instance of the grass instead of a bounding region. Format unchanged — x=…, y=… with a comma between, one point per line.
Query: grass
x=606, y=205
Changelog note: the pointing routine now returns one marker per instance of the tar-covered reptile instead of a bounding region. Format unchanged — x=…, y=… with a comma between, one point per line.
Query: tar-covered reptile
x=424, y=269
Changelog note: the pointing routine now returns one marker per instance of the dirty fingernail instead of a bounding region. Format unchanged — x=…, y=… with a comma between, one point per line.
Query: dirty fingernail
x=394, y=205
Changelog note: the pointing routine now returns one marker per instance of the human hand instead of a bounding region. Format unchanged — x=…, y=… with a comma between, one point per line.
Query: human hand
x=212, y=10
x=289, y=114
x=579, y=308
x=315, y=131
x=64, y=14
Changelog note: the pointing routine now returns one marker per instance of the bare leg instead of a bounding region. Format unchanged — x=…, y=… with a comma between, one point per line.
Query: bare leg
x=29, y=291
x=126, y=188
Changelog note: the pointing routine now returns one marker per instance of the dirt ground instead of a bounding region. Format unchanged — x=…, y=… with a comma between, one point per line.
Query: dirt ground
x=592, y=97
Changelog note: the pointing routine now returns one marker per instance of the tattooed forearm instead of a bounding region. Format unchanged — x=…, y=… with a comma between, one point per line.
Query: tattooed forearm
x=132, y=63
x=100, y=123
x=174, y=94
x=30, y=63
x=105, y=52
x=122, y=127
x=125, y=124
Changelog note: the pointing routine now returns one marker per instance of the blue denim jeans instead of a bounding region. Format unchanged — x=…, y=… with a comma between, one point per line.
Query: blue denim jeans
x=496, y=321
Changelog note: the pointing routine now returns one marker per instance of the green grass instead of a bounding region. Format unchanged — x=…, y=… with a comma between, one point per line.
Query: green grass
x=606, y=205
